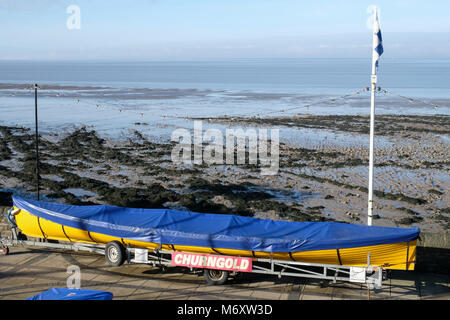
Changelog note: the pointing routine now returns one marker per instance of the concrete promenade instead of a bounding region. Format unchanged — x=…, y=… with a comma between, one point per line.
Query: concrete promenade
x=27, y=271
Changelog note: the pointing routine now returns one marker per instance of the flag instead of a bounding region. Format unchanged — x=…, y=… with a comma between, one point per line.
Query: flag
x=377, y=40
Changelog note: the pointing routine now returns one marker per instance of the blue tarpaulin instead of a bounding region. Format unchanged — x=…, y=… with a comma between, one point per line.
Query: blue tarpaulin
x=72, y=294
x=214, y=230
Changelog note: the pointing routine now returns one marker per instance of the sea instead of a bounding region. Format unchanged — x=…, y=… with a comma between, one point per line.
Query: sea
x=156, y=97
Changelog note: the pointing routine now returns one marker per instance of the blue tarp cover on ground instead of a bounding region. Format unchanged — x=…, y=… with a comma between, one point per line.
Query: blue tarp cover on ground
x=72, y=294
x=214, y=230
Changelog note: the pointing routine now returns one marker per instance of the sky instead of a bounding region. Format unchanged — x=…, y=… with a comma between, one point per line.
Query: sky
x=220, y=29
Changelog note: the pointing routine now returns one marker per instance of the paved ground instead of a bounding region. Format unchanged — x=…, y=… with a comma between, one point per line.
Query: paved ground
x=28, y=271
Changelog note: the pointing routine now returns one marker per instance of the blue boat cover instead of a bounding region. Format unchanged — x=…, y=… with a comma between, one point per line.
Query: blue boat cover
x=225, y=231
x=72, y=294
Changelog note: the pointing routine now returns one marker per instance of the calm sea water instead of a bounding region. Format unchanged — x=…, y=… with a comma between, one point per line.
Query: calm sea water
x=426, y=78
x=147, y=95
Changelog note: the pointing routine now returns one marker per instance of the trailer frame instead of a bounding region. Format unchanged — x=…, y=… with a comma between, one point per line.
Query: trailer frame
x=371, y=276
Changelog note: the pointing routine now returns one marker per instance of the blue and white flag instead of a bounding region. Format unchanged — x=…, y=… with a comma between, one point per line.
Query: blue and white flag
x=377, y=40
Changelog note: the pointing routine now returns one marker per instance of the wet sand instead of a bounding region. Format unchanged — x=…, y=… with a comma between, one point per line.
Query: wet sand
x=323, y=183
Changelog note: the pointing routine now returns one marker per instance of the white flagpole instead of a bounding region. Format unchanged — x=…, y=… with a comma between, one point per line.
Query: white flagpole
x=372, y=119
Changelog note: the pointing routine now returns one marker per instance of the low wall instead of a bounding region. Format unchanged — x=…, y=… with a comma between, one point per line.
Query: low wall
x=432, y=255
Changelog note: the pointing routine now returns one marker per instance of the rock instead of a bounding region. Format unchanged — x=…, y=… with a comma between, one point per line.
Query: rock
x=221, y=200
x=353, y=215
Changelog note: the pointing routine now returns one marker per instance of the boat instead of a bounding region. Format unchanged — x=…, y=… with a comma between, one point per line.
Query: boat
x=225, y=234
x=72, y=294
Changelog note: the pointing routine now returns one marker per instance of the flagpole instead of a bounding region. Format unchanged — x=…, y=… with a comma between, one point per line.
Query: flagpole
x=372, y=120
x=37, y=138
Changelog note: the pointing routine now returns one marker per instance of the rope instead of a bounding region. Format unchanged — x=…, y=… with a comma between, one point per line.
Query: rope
x=332, y=100
x=412, y=99
x=18, y=91
x=167, y=118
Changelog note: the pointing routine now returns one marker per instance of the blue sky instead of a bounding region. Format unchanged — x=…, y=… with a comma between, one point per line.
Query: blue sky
x=213, y=29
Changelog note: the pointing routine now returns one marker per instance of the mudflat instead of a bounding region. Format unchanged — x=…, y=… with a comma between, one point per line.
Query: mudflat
x=325, y=182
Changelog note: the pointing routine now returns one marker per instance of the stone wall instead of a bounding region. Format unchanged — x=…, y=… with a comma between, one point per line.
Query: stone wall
x=433, y=249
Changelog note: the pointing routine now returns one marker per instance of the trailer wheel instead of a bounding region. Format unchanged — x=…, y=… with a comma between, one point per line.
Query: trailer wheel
x=215, y=277
x=4, y=250
x=115, y=253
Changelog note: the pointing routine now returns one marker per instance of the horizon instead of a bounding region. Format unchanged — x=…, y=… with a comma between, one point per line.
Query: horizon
x=229, y=59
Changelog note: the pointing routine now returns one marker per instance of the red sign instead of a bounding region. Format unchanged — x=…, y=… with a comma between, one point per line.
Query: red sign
x=209, y=261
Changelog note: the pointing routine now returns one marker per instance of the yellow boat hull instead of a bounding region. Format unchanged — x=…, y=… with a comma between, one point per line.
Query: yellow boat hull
x=399, y=256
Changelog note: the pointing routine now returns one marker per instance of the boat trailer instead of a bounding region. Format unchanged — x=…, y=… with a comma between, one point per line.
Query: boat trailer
x=216, y=268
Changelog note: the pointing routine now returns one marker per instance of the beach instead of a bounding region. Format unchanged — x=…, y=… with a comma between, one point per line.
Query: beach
x=326, y=183
x=106, y=139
